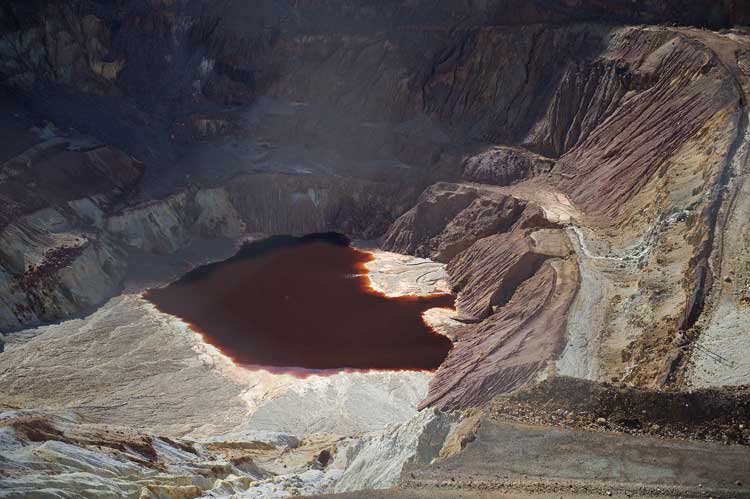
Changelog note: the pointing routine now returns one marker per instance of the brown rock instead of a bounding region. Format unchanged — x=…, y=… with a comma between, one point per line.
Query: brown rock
x=488, y=273
x=678, y=87
x=448, y=218
x=505, y=351
x=505, y=165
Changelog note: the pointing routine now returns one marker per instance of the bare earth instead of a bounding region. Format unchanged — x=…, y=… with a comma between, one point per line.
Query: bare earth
x=515, y=460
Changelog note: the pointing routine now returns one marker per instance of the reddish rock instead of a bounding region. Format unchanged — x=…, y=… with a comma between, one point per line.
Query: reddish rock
x=505, y=165
x=676, y=85
x=508, y=349
x=487, y=274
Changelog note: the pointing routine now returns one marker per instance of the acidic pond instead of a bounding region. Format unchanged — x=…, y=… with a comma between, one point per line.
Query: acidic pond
x=288, y=302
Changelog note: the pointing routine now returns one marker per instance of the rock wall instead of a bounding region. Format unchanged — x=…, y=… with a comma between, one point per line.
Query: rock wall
x=54, y=259
x=448, y=218
x=68, y=279
x=377, y=461
x=515, y=275
x=502, y=165
x=671, y=76
x=335, y=115
x=507, y=350
x=283, y=204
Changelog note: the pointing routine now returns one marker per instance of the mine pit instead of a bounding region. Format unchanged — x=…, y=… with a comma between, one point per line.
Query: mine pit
x=305, y=305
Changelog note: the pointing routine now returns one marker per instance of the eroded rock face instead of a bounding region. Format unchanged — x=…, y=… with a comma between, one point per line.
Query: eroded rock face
x=505, y=351
x=488, y=273
x=515, y=275
x=71, y=276
x=633, y=137
x=448, y=218
x=283, y=204
x=54, y=261
x=516, y=285
x=505, y=166
x=51, y=42
x=378, y=461
x=669, y=76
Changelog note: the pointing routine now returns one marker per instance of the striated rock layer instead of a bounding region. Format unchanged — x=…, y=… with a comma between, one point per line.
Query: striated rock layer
x=579, y=169
x=515, y=280
x=593, y=172
x=54, y=260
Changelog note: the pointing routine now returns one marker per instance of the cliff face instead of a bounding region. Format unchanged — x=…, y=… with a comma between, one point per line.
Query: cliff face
x=570, y=169
x=54, y=259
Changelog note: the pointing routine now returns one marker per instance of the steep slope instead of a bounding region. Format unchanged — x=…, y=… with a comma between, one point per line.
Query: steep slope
x=576, y=169
x=464, y=133
x=54, y=260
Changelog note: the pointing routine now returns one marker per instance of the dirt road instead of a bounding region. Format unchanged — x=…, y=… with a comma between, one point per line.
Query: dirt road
x=513, y=460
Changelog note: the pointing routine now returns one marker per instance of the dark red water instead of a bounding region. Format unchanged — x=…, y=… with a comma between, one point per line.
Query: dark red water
x=289, y=302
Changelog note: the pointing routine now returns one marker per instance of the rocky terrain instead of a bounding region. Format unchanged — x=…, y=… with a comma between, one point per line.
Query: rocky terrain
x=575, y=171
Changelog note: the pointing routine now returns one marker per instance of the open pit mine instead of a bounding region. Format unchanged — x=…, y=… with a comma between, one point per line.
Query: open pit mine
x=390, y=249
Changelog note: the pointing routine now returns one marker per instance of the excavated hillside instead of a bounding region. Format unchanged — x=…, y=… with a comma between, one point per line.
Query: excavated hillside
x=581, y=169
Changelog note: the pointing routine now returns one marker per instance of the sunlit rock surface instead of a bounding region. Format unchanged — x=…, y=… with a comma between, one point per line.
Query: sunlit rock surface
x=136, y=365
x=53, y=453
x=138, y=135
x=140, y=368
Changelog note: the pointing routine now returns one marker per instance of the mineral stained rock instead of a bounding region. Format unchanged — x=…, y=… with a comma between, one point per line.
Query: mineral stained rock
x=612, y=162
x=490, y=271
x=448, y=218
x=501, y=165
x=580, y=167
x=54, y=261
x=506, y=350
x=515, y=276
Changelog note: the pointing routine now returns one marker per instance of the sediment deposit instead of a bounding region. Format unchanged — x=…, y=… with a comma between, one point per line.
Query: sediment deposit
x=576, y=174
